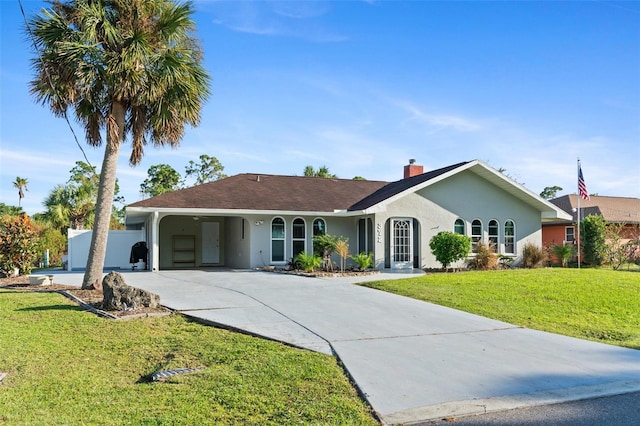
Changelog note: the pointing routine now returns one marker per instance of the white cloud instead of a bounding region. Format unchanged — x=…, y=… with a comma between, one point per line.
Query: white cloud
x=438, y=121
x=276, y=18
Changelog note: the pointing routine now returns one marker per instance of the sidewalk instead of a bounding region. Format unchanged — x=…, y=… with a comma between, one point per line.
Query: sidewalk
x=412, y=360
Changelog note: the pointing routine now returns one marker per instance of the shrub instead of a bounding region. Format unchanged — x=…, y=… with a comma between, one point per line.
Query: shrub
x=563, y=252
x=51, y=239
x=325, y=245
x=533, y=256
x=363, y=260
x=307, y=261
x=449, y=247
x=593, y=239
x=18, y=240
x=342, y=248
x=485, y=258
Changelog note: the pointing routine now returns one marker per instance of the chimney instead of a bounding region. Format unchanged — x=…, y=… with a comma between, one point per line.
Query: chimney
x=412, y=169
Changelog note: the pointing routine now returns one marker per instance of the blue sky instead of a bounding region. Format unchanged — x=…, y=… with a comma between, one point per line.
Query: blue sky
x=363, y=86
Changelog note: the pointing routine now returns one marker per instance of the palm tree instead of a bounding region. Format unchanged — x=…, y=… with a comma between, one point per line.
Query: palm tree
x=126, y=67
x=70, y=206
x=21, y=185
x=322, y=171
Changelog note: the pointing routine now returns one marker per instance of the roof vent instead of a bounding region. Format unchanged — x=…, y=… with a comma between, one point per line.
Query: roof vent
x=257, y=178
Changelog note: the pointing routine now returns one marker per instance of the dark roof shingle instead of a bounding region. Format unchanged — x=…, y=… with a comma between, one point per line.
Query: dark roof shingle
x=249, y=191
x=399, y=186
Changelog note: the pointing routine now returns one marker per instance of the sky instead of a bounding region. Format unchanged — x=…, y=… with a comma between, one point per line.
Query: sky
x=361, y=87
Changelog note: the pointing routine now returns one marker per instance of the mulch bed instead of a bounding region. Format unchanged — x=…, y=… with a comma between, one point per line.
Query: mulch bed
x=92, y=298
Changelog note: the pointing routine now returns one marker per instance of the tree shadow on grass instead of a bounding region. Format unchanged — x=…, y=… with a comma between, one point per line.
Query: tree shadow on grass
x=50, y=308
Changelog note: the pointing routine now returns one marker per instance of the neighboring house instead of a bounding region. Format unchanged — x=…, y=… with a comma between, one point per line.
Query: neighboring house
x=254, y=220
x=622, y=210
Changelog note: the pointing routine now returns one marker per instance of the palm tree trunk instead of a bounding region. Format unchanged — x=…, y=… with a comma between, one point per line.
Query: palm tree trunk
x=104, y=203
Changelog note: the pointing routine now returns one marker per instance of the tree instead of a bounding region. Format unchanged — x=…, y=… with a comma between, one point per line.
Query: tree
x=162, y=178
x=6, y=210
x=325, y=245
x=449, y=247
x=18, y=239
x=125, y=67
x=550, y=192
x=593, y=239
x=615, y=247
x=70, y=206
x=73, y=204
x=208, y=169
x=21, y=185
x=322, y=171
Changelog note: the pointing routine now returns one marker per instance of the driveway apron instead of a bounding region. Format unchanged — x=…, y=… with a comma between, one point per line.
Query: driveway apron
x=411, y=360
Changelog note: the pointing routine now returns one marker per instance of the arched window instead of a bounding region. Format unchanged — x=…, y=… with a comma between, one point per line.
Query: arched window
x=458, y=227
x=319, y=227
x=298, y=237
x=277, y=240
x=509, y=237
x=493, y=235
x=476, y=234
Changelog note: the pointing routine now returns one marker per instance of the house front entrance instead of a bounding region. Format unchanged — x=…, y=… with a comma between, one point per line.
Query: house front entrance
x=401, y=243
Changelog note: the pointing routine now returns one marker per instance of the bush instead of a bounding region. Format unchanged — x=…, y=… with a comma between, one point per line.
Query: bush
x=307, y=261
x=51, y=239
x=485, y=258
x=324, y=245
x=449, y=247
x=593, y=239
x=363, y=260
x=18, y=240
x=342, y=248
x=533, y=256
x=563, y=252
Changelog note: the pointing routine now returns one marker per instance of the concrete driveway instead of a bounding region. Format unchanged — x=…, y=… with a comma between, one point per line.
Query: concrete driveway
x=412, y=360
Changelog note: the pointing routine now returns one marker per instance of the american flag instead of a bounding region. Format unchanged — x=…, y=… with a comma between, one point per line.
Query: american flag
x=582, y=186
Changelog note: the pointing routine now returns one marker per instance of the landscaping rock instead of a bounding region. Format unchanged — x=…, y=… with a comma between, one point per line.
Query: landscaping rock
x=118, y=296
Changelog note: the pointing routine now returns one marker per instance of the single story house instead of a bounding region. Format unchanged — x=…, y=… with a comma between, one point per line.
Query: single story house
x=620, y=210
x=253, y=220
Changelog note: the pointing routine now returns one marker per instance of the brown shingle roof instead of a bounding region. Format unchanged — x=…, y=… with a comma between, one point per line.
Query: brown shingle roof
x=268, y=192
x=612, y=209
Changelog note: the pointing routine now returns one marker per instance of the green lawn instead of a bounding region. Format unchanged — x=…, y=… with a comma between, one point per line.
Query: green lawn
x=595, y=304
x=67, y=366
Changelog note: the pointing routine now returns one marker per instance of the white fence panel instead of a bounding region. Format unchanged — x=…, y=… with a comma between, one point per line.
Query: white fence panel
x=119, y=245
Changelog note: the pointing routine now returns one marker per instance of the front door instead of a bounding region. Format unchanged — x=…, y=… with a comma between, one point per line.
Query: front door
x=401, y=243
x=210, y=242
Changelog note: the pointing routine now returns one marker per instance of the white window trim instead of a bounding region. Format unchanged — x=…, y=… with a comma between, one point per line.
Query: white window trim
x=514, y=236
x=284, y=240
x=326, y=231
x=464, y=226
x=472, y=235
x=497, y=236
x=304, y=237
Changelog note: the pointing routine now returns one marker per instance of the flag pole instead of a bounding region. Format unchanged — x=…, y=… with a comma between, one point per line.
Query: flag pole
x=578, y=224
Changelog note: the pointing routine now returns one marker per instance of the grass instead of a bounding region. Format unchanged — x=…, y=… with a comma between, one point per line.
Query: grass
x=67, y=366
x=595, y=304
